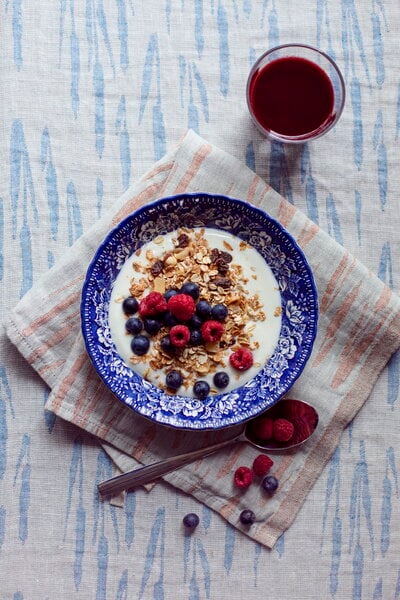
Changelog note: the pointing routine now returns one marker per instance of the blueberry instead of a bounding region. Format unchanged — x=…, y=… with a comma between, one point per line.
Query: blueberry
x=221, y=379
x=140, y=344
x=191, y=289
x=203, y=309
x=152, y=326
x=191, y=520
x=169, y=319
x=201, y=389
x=166, y=345
x=195, y=337
x=133, y=325
x=195, y=322
x=174, y=380
x=130, y=305
x=169, y=293
x=270, y=484
x=247, y=517
x=219, y=312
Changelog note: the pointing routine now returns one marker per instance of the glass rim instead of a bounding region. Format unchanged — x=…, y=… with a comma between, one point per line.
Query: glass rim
x=310, y=135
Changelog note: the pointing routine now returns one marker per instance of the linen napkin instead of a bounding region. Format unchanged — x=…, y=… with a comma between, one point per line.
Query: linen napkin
x=358, y=331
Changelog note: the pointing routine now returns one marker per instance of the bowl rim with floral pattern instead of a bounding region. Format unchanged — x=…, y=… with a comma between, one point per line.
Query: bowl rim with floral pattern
x=298, y=297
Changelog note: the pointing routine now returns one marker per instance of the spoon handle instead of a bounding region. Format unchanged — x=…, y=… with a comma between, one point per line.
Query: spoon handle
x=151, y=472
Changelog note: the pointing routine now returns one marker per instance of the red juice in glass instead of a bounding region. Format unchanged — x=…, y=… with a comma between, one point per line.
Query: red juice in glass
x=292, y=98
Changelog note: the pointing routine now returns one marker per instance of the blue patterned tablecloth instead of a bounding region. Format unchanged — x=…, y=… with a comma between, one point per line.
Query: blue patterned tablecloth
x=92, y=94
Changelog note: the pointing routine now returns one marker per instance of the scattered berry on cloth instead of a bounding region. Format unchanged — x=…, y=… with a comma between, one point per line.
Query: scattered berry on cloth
x=262, y=464
x=212, y=331
x=282, y=430
x=182, y=306
x=242, y=359
x=191, y=520
x=247, y=517
x=152, y=304
x=243, y=477
x=270, y=484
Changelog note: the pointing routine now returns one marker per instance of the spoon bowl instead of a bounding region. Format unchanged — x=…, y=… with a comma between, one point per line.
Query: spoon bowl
x=302, y=415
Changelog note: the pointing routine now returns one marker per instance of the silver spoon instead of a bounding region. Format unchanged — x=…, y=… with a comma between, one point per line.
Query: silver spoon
x=149, y=473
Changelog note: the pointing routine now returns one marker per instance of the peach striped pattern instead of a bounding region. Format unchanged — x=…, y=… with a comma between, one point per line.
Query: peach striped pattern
x=359, y=330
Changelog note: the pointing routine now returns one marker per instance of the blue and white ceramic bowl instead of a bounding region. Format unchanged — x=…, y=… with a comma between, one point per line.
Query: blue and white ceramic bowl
x=298, y=299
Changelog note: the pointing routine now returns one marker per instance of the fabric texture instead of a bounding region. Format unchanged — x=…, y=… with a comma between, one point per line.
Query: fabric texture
x=358, y=331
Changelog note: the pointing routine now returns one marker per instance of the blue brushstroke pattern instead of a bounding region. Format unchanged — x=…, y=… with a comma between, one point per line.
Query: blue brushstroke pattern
x=3, y=435
x=279, y=177
x=47, y=165
x=193, y=115
x=3, y=515
x=378, y=590
x=153, y=58
x=222, y=23
x=122, y=592
x=99, y=109
x=379, y=146
x=355, y=94
x=75, y=64
x=207, y=517
x=310, y=187
x=157, y=537
x=130, y=508
x=334, y=228
x=385, y=269
x=351, y=31
x=124, y=147
x=104, y=471
x=102, y=21
x=393, y=369
x=358, y=211
x=273, y=36
x=102, y=566
x=123, y=35
x=230, y=537
x=205, y=565
x=250, y=157
x=386, y=512
x=202, y=91
x=280, y=545
x=26, y=259
x=74, y=215
x=23, y=467
x=17, y=32
x=63, y=10
x=378, y=48
x=20, y=175
x=90, y=33
x=199, y=26
x=182, y=67
x=76, y=483
x=2, y=238
x=49, y=417
x=360, y=502
x=99, y=195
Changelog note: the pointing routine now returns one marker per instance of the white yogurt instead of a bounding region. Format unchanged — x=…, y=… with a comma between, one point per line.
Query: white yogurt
x=261, y=281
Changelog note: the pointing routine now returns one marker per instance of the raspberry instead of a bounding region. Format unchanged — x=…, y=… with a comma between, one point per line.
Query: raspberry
x=242, y=359
x=282, y=430
x=152, y=304
x=243, y=477
x=182, y=306
x=212, y=331
x=262, y=428
x=262, y=464
x=179, y=335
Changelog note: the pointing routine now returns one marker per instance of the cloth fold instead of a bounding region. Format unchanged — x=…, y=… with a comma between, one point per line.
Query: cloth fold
x=358, y=331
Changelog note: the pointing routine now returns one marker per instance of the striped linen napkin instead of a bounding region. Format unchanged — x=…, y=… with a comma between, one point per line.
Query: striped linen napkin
x=359, y=330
